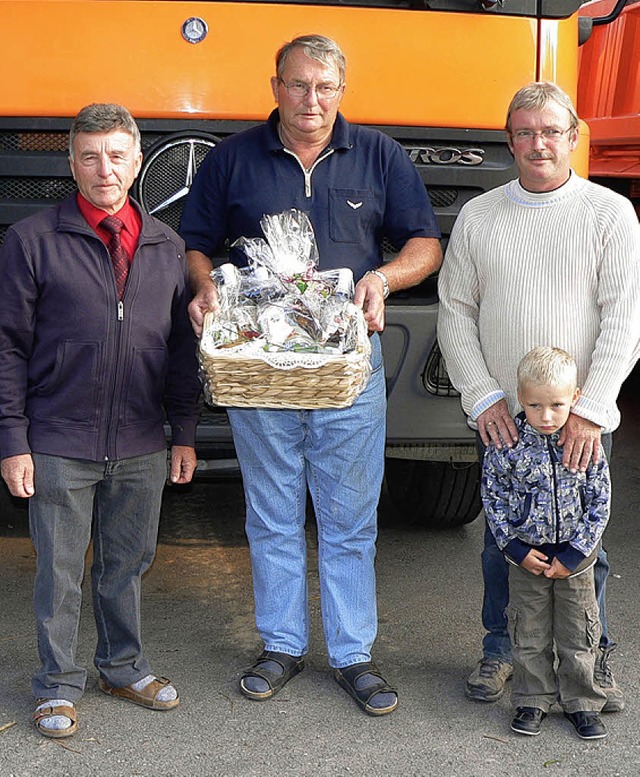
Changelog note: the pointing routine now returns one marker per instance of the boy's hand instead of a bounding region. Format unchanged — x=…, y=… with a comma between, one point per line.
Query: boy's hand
x=557, y=570
x=535, y=562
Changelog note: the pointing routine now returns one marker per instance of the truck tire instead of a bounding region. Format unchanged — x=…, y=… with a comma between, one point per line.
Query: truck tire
x=434, y=494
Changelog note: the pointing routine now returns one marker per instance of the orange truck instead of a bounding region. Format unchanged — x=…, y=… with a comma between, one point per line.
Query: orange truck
x=609, y=95
x=436, y=75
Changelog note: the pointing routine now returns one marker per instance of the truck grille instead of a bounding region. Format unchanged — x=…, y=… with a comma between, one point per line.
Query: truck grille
x=34, y=142
x=34, y=169
x=29, y=189
x=435, y=376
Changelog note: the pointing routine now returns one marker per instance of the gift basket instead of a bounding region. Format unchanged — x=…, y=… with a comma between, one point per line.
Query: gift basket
x=286, y=334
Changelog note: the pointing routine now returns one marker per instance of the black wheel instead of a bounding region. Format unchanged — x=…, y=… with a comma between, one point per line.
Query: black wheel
x=434, y=494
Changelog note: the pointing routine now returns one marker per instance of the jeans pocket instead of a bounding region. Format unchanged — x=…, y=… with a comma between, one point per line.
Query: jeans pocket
x=376, y=352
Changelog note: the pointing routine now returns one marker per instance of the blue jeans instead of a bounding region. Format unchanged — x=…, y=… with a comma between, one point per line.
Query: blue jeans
x=495, y=573
x=339, y=456
x=119, y=502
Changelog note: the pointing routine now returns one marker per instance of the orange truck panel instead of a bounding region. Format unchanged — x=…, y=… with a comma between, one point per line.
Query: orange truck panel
x=426, y=68
x=609, y=92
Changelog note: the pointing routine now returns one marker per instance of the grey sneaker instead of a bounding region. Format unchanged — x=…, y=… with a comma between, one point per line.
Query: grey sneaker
x=604, y=679
x=487, y=681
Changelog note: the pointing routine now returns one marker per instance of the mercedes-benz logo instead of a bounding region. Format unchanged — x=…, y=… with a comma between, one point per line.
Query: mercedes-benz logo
x=167, y=174
x=194, y=30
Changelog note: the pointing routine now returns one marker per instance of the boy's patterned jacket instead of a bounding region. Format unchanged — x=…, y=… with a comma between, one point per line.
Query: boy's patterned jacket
x=531, y=500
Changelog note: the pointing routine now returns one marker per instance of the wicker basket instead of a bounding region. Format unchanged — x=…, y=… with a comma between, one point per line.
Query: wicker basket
x=287, y=380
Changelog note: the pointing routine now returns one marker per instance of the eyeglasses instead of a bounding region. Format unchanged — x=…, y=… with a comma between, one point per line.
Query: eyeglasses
x=299, y=89
x=549, y=135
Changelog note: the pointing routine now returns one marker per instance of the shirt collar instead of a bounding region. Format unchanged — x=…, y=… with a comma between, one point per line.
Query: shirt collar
x=94, y=216
x=340, y=138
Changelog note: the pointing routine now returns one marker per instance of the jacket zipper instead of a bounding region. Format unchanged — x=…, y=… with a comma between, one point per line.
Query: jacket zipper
x=110, y=439
x=554, y=486
x=307, y=173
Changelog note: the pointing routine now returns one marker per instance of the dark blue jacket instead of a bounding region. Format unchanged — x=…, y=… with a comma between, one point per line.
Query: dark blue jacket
x=81, y=375
x=531, y=500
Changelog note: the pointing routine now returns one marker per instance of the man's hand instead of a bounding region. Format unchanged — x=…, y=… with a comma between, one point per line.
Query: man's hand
x=557, y=570
x=205, y=295
x=183, y=463
x=496, y=425
x=581, y=443
x=369, y=297
x=535, y=562
x=204, y=301
x=17, y=473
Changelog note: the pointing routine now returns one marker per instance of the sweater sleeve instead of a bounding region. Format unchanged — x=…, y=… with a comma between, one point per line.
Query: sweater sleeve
x=618, y=296
x=458, y=333
x=203, y=224
x=18, y=295
x=182, y=386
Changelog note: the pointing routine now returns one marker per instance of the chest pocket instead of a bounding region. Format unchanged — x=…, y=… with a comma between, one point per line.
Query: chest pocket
x=351, y=215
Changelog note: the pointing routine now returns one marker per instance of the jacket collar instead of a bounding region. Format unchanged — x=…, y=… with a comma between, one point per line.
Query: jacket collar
x=525, y=427
x=70, y=219
x=340, y=138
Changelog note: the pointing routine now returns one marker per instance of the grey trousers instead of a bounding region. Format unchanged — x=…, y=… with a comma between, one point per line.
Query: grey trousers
x=118, y=504
x=543, y=611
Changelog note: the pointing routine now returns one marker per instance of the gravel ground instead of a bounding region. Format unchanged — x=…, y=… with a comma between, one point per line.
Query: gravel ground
x=198, y=630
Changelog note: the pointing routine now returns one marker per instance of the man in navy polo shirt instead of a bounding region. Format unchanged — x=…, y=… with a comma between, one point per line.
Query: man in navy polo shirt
x=358, y=186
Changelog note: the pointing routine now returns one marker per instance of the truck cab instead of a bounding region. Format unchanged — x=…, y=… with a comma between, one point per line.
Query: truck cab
x=436, y=75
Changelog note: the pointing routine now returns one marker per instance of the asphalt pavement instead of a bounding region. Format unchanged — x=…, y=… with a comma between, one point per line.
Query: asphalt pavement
x=198, y=630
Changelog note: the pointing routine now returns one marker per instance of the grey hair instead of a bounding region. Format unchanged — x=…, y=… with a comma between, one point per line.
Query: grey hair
x=104, y=117
x=547, y=366
x=538, y=95
x=316, y=47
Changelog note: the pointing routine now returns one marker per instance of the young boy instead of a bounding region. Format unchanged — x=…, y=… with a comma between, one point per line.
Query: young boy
x=548, y=521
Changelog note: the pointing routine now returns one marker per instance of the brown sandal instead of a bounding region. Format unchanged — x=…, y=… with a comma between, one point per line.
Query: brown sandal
x=147, y=697
x=46, y=713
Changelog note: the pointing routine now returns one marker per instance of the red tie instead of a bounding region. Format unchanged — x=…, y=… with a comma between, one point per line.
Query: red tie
x=118, y=255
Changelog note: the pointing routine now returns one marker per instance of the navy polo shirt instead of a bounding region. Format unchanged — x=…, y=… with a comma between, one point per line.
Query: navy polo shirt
x=363, y=187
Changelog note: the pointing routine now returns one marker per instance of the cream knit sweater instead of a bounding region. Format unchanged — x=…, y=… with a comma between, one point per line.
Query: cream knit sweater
x=559, y=268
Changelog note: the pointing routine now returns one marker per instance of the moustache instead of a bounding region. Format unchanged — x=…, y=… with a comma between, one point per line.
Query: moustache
x=539, y=155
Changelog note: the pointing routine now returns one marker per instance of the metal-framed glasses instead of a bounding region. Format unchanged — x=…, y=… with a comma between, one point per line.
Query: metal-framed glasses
x=549, y=135
x=299, y=89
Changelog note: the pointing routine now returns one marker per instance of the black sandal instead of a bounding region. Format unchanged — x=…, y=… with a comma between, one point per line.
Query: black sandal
x=291, y=666
x=348, y=677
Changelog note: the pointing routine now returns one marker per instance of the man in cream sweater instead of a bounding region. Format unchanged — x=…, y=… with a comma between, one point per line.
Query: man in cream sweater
x=549, y=259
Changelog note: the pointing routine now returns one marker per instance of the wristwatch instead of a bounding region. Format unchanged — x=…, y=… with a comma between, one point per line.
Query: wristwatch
x=383, y=278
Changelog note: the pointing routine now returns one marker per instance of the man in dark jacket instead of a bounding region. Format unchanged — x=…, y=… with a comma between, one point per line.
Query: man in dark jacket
x=96, y=350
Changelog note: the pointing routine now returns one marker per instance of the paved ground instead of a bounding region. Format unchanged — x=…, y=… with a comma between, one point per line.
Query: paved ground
x=199, y=631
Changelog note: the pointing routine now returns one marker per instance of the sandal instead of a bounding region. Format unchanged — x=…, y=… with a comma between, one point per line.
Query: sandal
x=146, y=697
x=348, y=677
x=291, y=666
x=46, y=713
